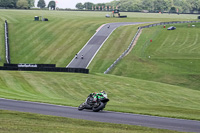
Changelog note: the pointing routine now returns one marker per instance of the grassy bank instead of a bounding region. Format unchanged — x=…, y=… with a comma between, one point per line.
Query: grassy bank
x=57, y=41
x=172, y=57
x=31, y=123
x=126, y=94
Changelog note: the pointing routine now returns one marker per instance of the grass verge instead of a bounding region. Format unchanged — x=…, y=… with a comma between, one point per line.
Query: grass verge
x=125, y=94
x=27, y=122
x=172, y=57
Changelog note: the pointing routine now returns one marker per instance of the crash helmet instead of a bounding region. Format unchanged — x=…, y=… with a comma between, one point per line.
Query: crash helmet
x=103, y=92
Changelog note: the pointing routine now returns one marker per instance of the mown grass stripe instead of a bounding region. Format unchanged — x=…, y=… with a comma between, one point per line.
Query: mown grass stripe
x=55, y=46
x=190, y=41
x=9, y=18
x=184, y=43
x=22, y=48
x=39, y=43
x=162, y=44
x=175, y=40
x=36, y=32
x=195, y=44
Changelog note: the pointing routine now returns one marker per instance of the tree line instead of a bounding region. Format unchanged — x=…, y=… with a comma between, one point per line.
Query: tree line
x=17, y=3
x=173, y=6
x=26, y=4
x=42, y=4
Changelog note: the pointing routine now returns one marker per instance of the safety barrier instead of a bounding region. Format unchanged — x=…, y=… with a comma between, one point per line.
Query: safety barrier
x=41, y=67
x=164, y=23
x=7, y=43
x=125, y=52
x=139, y=28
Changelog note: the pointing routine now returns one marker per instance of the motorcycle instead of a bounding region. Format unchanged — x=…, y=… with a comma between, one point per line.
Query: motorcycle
x=95, y=104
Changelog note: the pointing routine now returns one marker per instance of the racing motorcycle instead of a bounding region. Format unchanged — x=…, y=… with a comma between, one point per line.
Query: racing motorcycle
x=95, y=103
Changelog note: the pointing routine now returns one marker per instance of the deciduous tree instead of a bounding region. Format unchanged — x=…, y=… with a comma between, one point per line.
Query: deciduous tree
x=8, y=3
x=79, y=6
x=52, y=5
x=31, y=3
x=41, y=4
x=22, y=4
x=88, y=5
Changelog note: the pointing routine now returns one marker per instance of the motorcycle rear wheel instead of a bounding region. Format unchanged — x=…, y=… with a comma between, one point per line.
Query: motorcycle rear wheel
x=98, y=108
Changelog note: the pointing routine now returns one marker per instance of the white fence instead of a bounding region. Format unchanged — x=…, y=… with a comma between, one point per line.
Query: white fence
x=139, y=28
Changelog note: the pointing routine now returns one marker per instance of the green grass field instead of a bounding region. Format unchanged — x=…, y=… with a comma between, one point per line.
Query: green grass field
x=30, y=123
x=58, y=40
x=173, y=57
x=125, y=94
x=166, y=84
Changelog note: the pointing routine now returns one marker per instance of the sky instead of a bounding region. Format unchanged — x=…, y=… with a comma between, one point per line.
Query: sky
x=72, y=3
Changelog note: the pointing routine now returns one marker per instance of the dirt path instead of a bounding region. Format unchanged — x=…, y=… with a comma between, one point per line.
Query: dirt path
x=134, y=43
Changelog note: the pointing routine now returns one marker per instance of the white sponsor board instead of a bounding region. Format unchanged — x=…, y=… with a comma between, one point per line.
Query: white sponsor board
x=27, y=65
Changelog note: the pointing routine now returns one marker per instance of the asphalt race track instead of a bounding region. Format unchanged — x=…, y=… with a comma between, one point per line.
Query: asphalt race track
x=103, y=116
x=95, y=43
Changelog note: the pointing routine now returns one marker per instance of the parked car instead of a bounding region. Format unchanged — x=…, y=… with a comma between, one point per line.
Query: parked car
x=171, y=28
x=107, y=16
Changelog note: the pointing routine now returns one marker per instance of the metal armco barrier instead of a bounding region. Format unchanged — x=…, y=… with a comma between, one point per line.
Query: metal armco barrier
x=139, y=28
x=125, y=52
x=7, y=43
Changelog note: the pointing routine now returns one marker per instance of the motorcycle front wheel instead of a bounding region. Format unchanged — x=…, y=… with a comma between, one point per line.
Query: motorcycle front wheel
x=81, y=107
x=101, y=106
